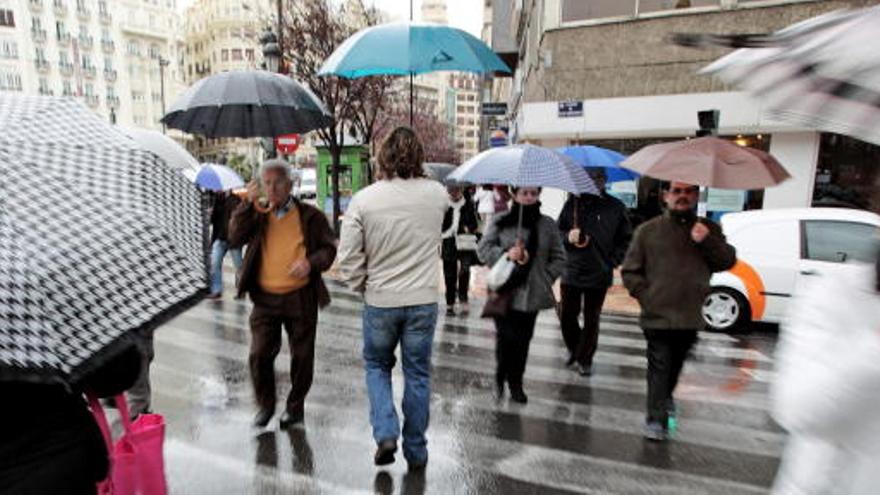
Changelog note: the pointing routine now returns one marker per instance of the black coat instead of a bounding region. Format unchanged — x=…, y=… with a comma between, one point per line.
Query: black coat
x=224, y=205
x=604, y=220
x=468, y=223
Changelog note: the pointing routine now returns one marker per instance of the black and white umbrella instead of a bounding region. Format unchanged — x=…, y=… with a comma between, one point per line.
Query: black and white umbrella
x=98, y=238
x=244, y=104
x=822, y=73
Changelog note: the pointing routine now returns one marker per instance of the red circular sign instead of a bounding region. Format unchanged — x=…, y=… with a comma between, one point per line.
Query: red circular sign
x=288, y=143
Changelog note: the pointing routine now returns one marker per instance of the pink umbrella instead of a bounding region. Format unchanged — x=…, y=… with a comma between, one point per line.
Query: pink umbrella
x=710, y=162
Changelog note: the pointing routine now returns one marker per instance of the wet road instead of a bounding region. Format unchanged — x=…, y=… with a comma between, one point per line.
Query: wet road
x=576, y=435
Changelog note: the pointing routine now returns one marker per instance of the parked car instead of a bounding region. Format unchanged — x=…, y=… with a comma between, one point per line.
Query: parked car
x=308, y=186
x=775, y=250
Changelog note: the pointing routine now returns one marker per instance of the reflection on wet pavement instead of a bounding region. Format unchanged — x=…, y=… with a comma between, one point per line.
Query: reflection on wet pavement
x=576, y=435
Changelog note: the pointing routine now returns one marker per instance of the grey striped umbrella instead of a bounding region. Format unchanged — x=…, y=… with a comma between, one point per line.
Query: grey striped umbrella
x=246, y=104
x=525, y=165
x=98, y=238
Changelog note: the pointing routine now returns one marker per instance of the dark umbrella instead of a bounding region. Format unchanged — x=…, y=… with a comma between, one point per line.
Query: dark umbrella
x=98, y=238
x=247, y=104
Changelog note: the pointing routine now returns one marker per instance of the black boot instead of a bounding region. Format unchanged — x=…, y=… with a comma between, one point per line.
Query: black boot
x=517, y=394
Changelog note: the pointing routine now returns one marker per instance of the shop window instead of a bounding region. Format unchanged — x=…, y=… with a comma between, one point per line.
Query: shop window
x=846, y=172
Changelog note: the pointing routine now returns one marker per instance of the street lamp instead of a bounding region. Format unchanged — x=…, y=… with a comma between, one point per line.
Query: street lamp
x=163, y=62
x=271, y=51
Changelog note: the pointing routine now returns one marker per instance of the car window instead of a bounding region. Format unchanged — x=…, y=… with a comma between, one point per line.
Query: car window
x=839, y=241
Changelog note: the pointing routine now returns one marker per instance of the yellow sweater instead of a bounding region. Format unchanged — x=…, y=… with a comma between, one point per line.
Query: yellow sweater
x=283, y=245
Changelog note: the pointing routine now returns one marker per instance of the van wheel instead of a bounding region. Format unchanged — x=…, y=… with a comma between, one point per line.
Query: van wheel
x=726, y=310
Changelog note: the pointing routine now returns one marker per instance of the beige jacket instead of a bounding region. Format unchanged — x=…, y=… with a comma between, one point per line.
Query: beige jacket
x=390, y=242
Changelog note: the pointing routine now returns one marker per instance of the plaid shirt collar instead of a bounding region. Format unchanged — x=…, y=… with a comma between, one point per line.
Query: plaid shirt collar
x=285, y=208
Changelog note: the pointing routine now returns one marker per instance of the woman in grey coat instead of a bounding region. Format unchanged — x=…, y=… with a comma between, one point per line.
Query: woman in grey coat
x=540, y=259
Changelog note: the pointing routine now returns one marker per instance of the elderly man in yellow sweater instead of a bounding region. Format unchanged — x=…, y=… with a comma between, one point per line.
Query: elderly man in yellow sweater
x=289, y=246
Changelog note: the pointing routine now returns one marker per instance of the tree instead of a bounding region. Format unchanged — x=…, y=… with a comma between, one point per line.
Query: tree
x=434, y=133
x=312, y=31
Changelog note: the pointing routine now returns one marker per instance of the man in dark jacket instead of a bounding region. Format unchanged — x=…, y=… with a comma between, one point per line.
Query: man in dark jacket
x=595, y=232
x=224, y=204
x=667, y=268
x=288, y=248
x=459, y=222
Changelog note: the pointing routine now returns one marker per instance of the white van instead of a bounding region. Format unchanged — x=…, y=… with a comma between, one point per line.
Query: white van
x=308, y=186
x=777, y=248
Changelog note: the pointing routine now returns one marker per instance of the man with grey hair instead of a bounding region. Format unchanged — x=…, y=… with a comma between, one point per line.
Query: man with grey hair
x=289, y=245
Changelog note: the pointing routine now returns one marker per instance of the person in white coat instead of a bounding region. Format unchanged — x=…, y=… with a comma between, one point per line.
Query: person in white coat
x=827, y=387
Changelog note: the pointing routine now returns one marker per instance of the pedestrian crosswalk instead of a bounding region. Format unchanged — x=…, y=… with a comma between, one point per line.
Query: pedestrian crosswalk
x=576, y=435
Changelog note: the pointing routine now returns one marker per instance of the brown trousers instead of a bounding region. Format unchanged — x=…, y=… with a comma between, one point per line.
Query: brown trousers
x=297, y=313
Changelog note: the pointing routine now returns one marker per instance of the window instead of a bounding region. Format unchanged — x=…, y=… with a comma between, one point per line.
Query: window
x=66, y=88
x=108, y=64
x=7, y=18
x=249, y=54
x=236, y=54
x=9, y=49
x=41, y=54
x=90, y=89
x=224, y=55
x=10, y=81
x=839, y=241
x=36, y=24
x=155, y=51
x=44, y=86
x=133, y=47
x=660, y=5
x=137, y=96
x=579, y=10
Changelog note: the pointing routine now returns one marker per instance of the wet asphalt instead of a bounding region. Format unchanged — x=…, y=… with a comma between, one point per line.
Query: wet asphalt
x=576, y=434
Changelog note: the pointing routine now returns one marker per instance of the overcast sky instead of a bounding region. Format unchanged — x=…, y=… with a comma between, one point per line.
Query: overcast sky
x=464, y=14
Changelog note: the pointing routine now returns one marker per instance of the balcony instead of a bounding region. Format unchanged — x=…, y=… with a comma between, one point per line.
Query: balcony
x=63, y=39
x=105, y=16
x=92, y=100
x=46, y=92
x=110, y=75
x=83, y=13
x=67, y=92
x=36, y=5
x=108, y=46
x=90, y=72
x=42, y=65
x=86, y=42
x=39, y=35
x=60, y=7
x=112, y=101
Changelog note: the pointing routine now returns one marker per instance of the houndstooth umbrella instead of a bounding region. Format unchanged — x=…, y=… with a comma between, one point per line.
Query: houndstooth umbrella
x=252, y=103
x=822, y=73
x=98, y=238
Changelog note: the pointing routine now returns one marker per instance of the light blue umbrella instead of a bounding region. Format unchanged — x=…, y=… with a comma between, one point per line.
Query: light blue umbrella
x=525, y=165
x=409, y=49
x=595, y=157
x=214, y=177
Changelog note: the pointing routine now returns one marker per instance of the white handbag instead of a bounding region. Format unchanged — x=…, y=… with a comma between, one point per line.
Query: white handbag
x=466, y=242
x=500, y=273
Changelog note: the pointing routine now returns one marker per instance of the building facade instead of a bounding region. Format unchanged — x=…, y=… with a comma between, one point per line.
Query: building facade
x=111, y=54
x=219, y=36
x=612, y=62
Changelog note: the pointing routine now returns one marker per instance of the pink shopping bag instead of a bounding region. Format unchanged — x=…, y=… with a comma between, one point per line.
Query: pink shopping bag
x=136, y=460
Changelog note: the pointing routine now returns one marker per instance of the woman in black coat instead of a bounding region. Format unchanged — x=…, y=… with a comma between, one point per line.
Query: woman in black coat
x=458, y=251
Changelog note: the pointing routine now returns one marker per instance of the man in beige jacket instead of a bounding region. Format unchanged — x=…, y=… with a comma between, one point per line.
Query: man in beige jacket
x=390, y=251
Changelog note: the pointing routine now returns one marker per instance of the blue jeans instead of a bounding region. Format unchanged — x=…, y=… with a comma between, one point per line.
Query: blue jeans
x=413, y=327
x=218, y=252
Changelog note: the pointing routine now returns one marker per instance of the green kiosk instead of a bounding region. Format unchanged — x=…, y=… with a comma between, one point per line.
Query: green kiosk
x=354, y=175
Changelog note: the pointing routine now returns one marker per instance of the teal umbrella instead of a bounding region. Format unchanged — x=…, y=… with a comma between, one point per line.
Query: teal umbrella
x=411, y=48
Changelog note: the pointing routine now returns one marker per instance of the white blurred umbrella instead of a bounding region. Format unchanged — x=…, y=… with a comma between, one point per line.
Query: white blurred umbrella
x=822, y=73
x=165, y=148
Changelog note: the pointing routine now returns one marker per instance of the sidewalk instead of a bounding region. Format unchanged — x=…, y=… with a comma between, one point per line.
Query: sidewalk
x=617, y=302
